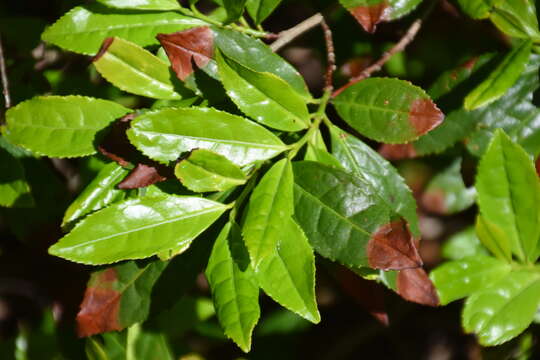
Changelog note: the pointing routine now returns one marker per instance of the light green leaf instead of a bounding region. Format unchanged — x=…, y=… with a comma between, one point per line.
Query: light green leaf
x=263, y=96
x=142, y=4
x=381, y=178
x=270, y=204
x=234, y=289
x=388, y=110
x=319, y=155
x=14, y=190
x=493, y=238
x=505, y=309
x=84, y=28
x=287, y=273
x=137, y=229
x=165, y=134
x=98, y=194
x=58, y=126
x=259, y=10
x=501, y=79
x=516, y=18
x=135, y=70
x=478, y=9
x=463, y=244
x=204, y=171
x=458, y=279
x=370, y=12
x=509, y=194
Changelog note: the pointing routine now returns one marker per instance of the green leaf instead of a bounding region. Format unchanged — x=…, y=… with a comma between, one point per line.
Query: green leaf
x=165, y=134
x=234, y=9
x=477, y=9
x=458, y=279
x=493, y=238
x=323, y=156
x=263, y=96
x=14, y=189
x=135, y=70
x=371, y=12
x=463, y=244
x=58, y=126
x=516, y=18
x=234, y=289
x=204, y=171
x=509, y=194
x=337, y=212
x=142, y=4
x=287, y=273
x=259, y=10
x=446, y=193
x=388, y=110
x=501, y=79
x=98, y=194
x=380, y=177
x=84, y=28
x=502, y=311
x=118, y=297
x=270, y=204
x=138, y=228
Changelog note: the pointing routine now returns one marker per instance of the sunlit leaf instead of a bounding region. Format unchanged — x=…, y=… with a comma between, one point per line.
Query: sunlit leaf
x=142, y=4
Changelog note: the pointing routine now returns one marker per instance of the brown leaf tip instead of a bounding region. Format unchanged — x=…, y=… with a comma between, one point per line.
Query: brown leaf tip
x=141, y=176
x=398, y=151
x=424, y=116
x=392, y=247
x=416, y=286
x=370, y=16
x=104, y=47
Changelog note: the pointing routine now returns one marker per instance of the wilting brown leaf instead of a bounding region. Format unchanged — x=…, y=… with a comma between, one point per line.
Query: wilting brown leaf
x=414, y=285
x=397, y=151
x=370, y=16
x=424, y=116
x=392, y=247
x=100, y=307
x=434, y=200
x=142, y=175
x=182, y=47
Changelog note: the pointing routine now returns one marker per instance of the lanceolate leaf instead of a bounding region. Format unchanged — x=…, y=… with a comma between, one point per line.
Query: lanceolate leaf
x=516, y=18
x=501, y=79
x=127, y=230
x=505, y=309
x=164, y=135
x=117, y=297
x=261, y=9
x=509, y=194
x=270, y=205
x=135, y=70
x=84, y=28
x=234, y=290
x=14, y=190
x=204, y=170
x=379, y=175
x=388, y=110
x=287, y=273
x=98, y=194
x=142, y=4
x=263, y=96
x=61, y=126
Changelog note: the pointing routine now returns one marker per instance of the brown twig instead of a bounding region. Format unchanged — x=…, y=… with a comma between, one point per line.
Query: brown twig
x=331, y=56
x=3, y=75
x=289, y=35
x=400, y=46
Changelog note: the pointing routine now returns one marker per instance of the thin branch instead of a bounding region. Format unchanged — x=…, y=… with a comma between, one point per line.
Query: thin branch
x=331, y=56
x=400, y=46
x=289, y=35
x=3, y=75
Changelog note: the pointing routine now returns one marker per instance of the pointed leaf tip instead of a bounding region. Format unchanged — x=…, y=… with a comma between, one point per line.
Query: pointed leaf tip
x=424, y=116
x=370, y=16
x=414, y=285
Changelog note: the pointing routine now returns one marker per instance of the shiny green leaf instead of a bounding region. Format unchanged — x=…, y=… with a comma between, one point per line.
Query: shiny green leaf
x=142, y=4
x=98, y=194
x=501, y=79
x=204, y=171
x=505, y=309
x=263, y=96
x=477, y=9
x=509, y=194
x=137, y=228
x=84, y=28
x=463, y=244
x=234, y=9
x=14, y=190
x=319, y=155
x=388, y=110
x=59, y=126
x=516, y=18
x=259, y=10
x=165, y=134
x=458, y=279
x=287, y=273
x=234, y=289
x=493, y=238
x=135, y=70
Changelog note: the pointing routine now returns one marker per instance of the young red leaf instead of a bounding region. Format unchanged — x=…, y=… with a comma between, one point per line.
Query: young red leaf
x=183, y=47
x=142, y=175
x=397, y=151
x=369, y=16
x=392, y=247
x=414, y=285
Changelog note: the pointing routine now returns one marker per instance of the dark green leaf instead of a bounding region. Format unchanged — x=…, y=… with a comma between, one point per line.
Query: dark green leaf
x=234, y=9
x=14, y=190
x=259, y=10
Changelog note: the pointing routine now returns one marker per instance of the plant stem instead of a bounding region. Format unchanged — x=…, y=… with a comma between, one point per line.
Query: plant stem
x=289, y=35
x=331, y=56
x=3, y=75
x=245, y=192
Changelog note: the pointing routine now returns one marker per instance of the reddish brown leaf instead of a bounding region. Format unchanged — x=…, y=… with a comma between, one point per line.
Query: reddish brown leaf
x=397, y=151
x=100, y=307
x=392, y=247
x=414, y=285
x=142, y=175
x=182, y=47
x=434, y=201
x=116, y=145
x=106, y=43
x=370, y=16
x=424, y=116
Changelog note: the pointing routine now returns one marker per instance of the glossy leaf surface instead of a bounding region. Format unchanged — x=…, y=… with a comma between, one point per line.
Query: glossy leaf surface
x=14, y=189
x=164, y=135
x=388, y=110
x=263, y=96
x=84, y=28
x=259, y=10
x=127, y=230
x=516, y=18
x=142, y=4
x=204, y=171
x=59, y=126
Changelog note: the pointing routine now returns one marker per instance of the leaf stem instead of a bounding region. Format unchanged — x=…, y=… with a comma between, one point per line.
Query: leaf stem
x=245, y=192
